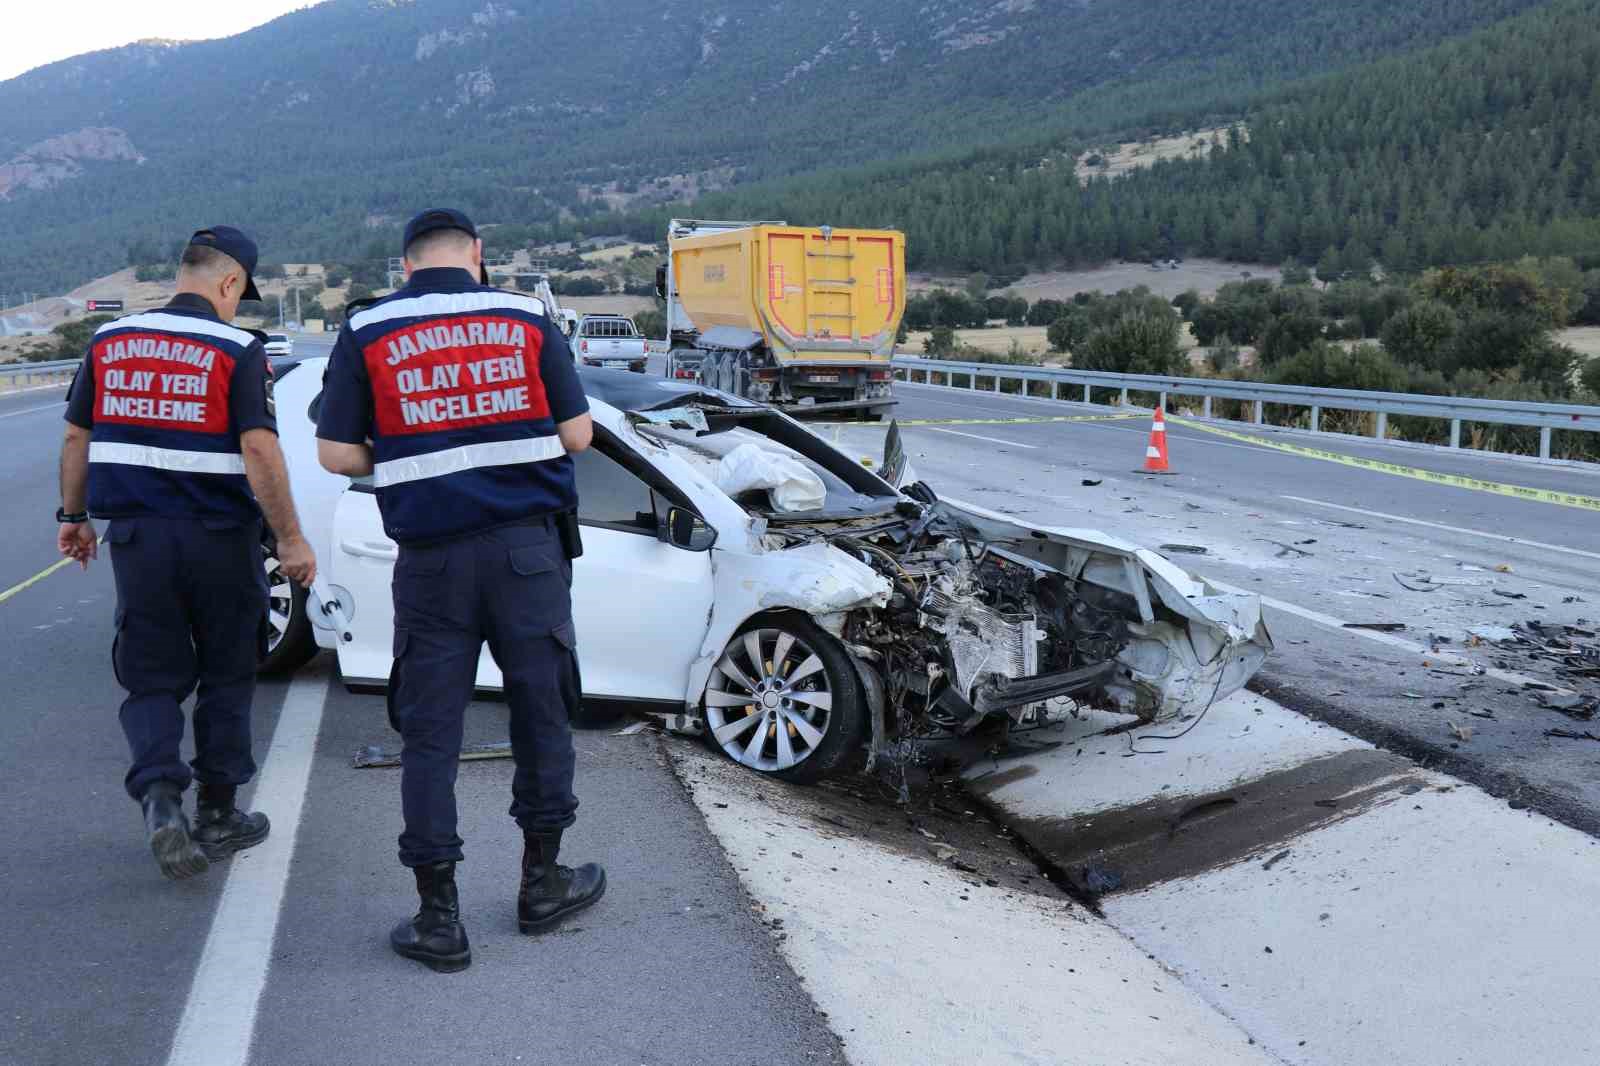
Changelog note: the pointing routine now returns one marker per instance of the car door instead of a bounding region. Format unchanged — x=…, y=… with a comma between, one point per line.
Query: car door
x=640, y=607
x=359, y=572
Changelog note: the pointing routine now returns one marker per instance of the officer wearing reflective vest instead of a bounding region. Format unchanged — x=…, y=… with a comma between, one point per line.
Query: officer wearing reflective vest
x=171, y=438
x=462, y=402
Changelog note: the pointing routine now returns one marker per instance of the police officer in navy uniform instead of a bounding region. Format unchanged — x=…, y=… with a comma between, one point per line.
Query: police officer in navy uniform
x=463, y=403
x=171, y=438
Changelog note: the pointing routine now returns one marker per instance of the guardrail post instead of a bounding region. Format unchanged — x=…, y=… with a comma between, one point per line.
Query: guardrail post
x=1544, y=443
x=1124, y=400
x=1163, y=399
x=1455, y=433
x=1383, y=425
x=1055, y=389
x=1206, y=407
x=1316, y=419
x=1261, y=410
x=997, y=383
x=1085, y=392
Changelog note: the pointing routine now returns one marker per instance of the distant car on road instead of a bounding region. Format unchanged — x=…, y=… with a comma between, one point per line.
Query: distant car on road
x=279, y=344
x=610, y=341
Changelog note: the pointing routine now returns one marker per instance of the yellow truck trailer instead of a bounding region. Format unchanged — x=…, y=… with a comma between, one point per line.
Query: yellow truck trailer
x=800, y=317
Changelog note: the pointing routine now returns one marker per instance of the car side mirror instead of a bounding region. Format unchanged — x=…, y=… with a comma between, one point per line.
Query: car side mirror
x=687, y=530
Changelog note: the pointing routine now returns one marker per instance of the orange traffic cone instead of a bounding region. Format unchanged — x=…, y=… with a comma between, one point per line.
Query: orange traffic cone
x=1155, y=453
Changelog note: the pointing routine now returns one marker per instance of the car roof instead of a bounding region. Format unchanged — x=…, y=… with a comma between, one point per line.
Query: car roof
x=627, y=391
x=621, y=389
x=607, y=314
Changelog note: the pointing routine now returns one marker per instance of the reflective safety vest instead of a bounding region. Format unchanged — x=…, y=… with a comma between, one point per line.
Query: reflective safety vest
x=463, y=433
x=159, y=391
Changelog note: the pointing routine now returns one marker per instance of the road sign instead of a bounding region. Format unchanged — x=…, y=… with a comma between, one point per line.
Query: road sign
x=103, y=305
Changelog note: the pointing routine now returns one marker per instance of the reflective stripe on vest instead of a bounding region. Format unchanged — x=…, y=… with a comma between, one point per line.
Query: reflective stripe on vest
x=445, y=303
x=165, y=323
x=467, y=457
x=186, y=462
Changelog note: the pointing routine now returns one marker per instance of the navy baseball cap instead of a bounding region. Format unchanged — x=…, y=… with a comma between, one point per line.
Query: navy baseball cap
x=436, y=218
x=236, y=246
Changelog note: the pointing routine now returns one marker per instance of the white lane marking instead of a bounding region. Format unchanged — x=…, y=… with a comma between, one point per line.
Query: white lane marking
x=32, y=410
x=974, y=436
x=1172, y=435
x=1450, y=529
x=219, y=1018
x=1508, y=676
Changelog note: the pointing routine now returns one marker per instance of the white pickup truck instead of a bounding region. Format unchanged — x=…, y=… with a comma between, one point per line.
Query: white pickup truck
x=609, y=341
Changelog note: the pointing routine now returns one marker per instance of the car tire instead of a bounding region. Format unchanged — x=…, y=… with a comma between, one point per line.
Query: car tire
x=289, y=642
x=786, y=681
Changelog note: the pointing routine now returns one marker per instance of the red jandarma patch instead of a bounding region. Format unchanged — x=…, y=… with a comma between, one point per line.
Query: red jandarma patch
x=162, y=381
x=456, y=372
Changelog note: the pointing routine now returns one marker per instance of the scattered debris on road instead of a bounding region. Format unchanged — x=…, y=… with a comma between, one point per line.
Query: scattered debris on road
x=1379, y=627
x=1570, y=734
x=1184, y=549
x=1287, y=550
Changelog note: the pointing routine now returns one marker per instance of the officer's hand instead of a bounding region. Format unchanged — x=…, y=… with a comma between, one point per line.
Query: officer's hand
x=298, y=561
x=78, y=541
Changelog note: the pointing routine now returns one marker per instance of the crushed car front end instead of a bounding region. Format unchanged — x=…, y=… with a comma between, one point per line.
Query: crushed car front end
x=961, y=622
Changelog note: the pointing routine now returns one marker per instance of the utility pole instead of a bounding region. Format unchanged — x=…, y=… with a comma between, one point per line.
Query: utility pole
x=280, y=310
x=298, y=320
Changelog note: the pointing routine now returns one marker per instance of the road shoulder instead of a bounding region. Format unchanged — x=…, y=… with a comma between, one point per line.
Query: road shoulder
x=901, y=951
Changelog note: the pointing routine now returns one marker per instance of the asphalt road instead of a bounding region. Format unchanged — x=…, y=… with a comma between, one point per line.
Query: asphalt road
x=671, y=967
x=1249, y=508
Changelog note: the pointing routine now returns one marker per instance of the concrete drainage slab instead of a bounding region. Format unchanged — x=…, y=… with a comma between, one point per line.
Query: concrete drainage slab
x=1342, y=904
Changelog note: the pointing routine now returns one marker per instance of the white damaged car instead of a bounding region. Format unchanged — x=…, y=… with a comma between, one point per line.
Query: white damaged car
x=745, y=579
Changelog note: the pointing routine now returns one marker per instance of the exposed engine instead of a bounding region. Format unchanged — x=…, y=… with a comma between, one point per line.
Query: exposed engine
x=974, y=632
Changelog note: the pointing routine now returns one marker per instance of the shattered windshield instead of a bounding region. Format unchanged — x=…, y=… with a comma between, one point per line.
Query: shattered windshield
x=768, y=465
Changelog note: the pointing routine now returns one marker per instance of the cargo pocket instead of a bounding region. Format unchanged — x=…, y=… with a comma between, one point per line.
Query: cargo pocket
x=402, y=640
x=119, y=618
x=572, y=684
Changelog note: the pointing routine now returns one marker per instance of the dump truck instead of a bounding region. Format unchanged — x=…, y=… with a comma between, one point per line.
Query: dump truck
x=803, y=318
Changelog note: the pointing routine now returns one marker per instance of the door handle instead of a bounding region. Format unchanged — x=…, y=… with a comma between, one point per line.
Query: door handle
x=382, y=550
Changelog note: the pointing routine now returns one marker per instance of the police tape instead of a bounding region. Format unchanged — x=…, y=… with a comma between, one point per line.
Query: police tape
x=1461, y=481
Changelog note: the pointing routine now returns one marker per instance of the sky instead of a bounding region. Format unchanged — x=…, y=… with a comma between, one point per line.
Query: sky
x=43, y=31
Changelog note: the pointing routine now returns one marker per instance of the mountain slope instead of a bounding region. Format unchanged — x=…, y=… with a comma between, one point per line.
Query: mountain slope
x=325, y=127
x=1486, y=147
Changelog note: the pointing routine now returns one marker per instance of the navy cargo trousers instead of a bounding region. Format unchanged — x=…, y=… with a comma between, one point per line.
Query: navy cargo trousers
x=510, y=586
x=191, y=603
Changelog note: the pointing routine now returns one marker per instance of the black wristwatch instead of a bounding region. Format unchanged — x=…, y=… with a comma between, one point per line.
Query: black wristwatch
x=71, y=519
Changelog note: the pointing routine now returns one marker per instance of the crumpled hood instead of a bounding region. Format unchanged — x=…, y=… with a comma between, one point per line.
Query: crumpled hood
x=1173, y=667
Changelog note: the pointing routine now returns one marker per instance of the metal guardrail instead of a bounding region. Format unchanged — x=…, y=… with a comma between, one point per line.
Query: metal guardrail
x=21, y=375
x=1547, y=417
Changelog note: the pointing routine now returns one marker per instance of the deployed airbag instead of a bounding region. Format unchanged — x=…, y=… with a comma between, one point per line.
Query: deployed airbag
x=789, y=482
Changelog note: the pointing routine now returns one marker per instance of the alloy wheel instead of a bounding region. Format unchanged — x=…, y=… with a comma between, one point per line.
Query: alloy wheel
x=280, y=599
x=769, y=702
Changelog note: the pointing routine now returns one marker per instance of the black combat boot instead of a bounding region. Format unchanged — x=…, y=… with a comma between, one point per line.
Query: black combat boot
x=221, y=828
x=435, y=937
x=550, y=892
x=168, y=830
